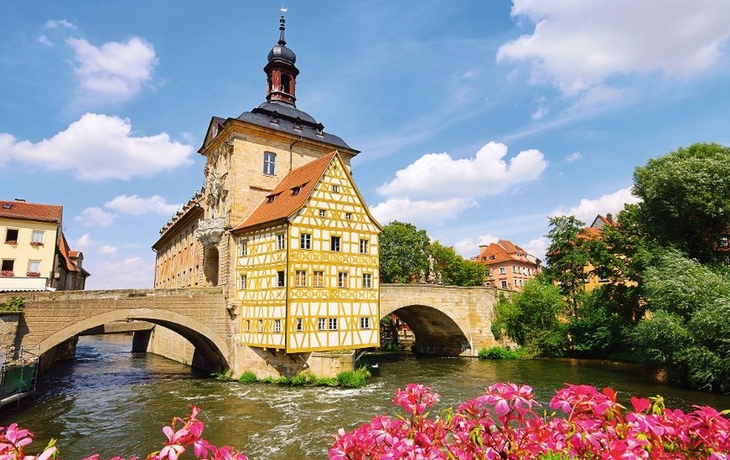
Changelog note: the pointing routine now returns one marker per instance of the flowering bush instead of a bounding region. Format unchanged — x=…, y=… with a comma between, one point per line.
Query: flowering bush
x=504, y=424
x=36, y=243
x=13, y=441
x=7, y=273
x=33, y=274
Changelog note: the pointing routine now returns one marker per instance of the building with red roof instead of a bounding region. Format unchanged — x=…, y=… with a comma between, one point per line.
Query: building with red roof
x=510, y=266
x=34, y=252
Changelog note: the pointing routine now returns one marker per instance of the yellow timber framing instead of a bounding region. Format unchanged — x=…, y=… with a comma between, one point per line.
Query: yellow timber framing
x=349, y=314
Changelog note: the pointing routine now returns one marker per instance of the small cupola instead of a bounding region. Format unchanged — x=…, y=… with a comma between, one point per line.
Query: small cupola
x=281, y=73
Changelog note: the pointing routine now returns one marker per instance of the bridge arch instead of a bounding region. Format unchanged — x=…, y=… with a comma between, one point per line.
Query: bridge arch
x=212, y=350
x=446, y=320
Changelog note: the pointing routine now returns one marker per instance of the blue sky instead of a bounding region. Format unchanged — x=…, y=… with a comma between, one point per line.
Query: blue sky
x=476, y=120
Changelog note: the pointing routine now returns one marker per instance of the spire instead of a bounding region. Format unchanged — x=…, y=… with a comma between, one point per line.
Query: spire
x=280, y=71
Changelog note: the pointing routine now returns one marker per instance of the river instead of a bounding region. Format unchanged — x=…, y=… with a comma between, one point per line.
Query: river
x=114, y=402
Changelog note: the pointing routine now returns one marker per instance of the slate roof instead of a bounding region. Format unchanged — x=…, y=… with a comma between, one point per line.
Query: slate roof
x=283, y=201
x=30, y=211
x=287, y=118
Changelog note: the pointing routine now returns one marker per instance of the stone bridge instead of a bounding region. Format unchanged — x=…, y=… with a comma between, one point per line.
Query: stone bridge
x=445, y=320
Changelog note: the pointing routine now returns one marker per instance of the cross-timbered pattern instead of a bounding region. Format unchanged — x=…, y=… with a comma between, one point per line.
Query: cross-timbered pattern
x=308, y=279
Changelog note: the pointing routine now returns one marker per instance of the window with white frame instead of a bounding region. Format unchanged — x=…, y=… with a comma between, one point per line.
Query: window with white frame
x=502, y=271
x=321, y=324
x=335, y=188
x=300, y=325
x=335, y=243
x=280, y=279
x=364, y=246
x=301, y=277
x=280, y=241
x=242, y=282
x=269, y=163
x=318, y=278
x=242, y=248
x=332, y=324
x=34, y=268
x=277, y=325
x=364, y=322
x=367, y=280
x=322, y=213
x=348, y=216
x=305, y=241
x=342, y=279
x=261, y=325
x=38, y=236
x=504, y=284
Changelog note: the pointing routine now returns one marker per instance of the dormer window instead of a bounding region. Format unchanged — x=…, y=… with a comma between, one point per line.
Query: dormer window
x=295, y=191
x=270, y=198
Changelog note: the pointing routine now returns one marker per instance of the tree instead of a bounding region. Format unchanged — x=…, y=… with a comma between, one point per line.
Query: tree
x=567, y=258
x=454, y=269
x=531, y=317
x=402, y=252
x=686, y=199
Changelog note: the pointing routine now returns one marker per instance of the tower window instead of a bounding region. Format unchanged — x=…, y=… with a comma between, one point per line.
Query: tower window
x=286, y=84
x=269, y=163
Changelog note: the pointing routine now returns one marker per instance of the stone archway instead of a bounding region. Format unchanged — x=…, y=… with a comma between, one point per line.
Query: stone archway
x=210, y=265
x=435, y=332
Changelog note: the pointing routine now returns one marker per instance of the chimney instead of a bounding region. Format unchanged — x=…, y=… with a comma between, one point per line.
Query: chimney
x=609, y=218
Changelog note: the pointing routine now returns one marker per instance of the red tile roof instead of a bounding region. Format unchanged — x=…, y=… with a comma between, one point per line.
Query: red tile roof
x=503, y=251
x=30, y=211
x=291, y=193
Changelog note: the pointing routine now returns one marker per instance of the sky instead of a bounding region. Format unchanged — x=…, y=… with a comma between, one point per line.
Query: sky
x=475, y=120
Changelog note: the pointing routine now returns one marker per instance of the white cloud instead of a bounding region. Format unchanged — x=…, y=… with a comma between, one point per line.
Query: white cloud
x=537, y=247
x=419, y=212
x=469, y=247
x=137, y=206
x=59, y=24
x=129, y=272
x=573, y=157
x=440, y=177
x=577, y=44
x=95, y=216
x=44, y=40
x=587, y=210
x=107, y=250
x=113, y=70
x=100, y=147
x=84, y=242
x=540, y=112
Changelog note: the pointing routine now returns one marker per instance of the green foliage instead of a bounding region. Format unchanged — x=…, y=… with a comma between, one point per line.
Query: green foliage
x=532, y=318
x=499, y=353
x=248, y=377
x=596, y=331
x=282, y=380
x=567, y=257
x=686, y=199
x=402, y=252
x=15, y=304
x=353, y=379
x=454, y=269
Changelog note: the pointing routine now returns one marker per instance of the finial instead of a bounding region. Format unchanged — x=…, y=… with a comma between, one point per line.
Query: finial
x=282, y=26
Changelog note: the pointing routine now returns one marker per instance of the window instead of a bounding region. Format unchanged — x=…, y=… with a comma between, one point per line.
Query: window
x=243, y=248
x=364, y=322
x=261, y=325
x=348, y=216
x=363, y=246
x=280, y=279
x=11, y=236
x=248, y=325
x=318, y=279
x=335, y=243
x=504, y=284
x=295, y=191
x=8, y=265
x=280, y=241
x=322, y=213
x=502, y=270
x=269, y=163
x=34, y=266
x=367, y=280
x=723, y=242
x=514, y=269
x=37, y=237
x=333, y=324
x=242, y=282
x=305, y=241
x=300, y=325
x=335, y=189
x=277, y=325
x=342, y=279
x=301, y=278
x=321, y=323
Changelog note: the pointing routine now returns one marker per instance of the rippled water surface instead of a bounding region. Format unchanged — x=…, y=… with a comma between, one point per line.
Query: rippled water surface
x=113, y=402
